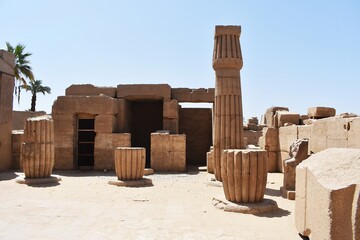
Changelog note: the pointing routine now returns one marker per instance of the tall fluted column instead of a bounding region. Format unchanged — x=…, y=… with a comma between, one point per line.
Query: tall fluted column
x=227, y=62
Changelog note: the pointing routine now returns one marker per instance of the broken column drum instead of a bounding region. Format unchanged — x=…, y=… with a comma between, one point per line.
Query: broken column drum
x=244, y=175
x=37, y=151
x=228, y=120
x=130, y=163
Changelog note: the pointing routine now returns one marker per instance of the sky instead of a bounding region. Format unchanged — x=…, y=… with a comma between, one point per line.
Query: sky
x=297, y=54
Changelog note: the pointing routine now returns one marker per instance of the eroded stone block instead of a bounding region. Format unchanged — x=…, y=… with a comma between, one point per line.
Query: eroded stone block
x=105, y=123
x=171, y=109
x=287, y=135
x=90, y=90
x=285, y=118
x=144, y=91
x=327, y=192
x=193, y=95
x=321, y=112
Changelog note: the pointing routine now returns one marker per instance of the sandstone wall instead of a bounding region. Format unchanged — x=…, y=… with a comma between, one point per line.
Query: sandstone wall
x=19, y=118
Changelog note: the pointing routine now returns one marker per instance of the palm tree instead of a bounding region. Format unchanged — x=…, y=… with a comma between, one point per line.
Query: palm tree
x=35, y=87
x=22, y=68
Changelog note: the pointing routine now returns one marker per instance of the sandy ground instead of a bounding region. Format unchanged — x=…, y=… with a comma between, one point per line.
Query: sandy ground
x=178, y=206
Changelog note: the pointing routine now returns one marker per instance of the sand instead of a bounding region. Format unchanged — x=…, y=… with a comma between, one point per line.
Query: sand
x=178, y=206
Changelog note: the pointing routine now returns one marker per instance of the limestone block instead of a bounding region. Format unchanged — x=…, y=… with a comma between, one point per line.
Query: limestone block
x=105, y=123
x=270, y=113
x=321, y=112
x=144, y=91
x=336, y=132
x=318, y=136
x=37, y=151
x=17, y=140
x=85, y=104
x=171, y=125
x=354, y=133
x=210, y=161
x=129, y=163
x=287, y=135
x=7, y=62
x=64, y=123
x=193, y=95
x=272, y=161
x=171, y=109
x=168, y=152
x=105, y=143
x=90, y=90
x=284, y=117
x=253, y=137
x=244, y=175
x=327, y=195
x=270, y=139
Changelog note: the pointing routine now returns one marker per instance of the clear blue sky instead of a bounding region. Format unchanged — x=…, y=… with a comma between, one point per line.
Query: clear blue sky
x=296, y=53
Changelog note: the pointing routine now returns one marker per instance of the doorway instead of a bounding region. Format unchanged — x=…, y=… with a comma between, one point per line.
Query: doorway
x=145, y=117
x=85, y=141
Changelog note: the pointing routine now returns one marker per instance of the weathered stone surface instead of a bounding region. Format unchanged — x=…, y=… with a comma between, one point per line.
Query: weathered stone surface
x=64, y=123
x=210, y=161
x=64, y=149
x=244, y=175
x=270, y=113
x=353, y=133
x=85, y=104
x=270, y=139
x=321, y=112
x=129, y=163
x=122, y=116
x=6, y=103
x=283, y=118
x=171, y=109
x=298, y=153
x=37, y=151
x=132, y=183
x=172, y=125
x=327, y=192
x=17, y=140
x=105, y=123
x=105, y=144
x=7, y=62
x=252, y=137
x=90, y=90
x=287, y=135
x=272, y=157
x=193, y=95
x=228, y=114
x=168, y=152
x=144, y=91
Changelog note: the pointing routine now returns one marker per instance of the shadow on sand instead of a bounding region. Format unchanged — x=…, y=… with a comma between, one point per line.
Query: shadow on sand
x=275, y=214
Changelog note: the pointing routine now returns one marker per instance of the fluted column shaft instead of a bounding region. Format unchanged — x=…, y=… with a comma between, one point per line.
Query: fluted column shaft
x=228, y=120
x=130, y=163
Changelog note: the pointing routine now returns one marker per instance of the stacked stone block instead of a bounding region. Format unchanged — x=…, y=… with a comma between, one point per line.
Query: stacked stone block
x=7, y=63
x=168, y=152
x=171, y=116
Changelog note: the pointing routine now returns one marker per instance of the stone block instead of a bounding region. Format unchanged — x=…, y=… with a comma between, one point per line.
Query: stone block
x=144, y=91
x=270, y=139
x=64, y=158
x=17, y=140
x=284, y=117
x=336, y=132
x=168, y=152
x=193, y=95
x=321, y=112
x=318, y=136
x=90, y=90
x=7, y=62
x=105, y=144
x=287, y=135
x=272, y=161
x=105, y=123
x=354, y=133
x=282, y=156
x=84, y=104
x=210, y=161
x=253, y=137
x=64, y=123
x=171, y=109
x=270, y=113
x=122, y=116
x=327, y=195
x=172, y=125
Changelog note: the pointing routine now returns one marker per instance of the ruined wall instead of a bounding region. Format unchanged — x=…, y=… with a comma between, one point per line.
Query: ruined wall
x=196, y=123
x=7, y=63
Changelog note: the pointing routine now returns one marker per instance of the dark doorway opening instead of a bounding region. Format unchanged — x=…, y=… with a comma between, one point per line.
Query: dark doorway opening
x=85, y=143
x=145, y=118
